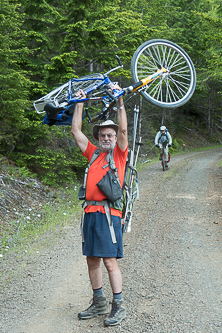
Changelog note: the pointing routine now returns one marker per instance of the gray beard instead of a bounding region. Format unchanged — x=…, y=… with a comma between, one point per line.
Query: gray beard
x=106, y=149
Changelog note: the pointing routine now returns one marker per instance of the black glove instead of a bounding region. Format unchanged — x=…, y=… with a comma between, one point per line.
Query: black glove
x=157, y=146
x=169, y=145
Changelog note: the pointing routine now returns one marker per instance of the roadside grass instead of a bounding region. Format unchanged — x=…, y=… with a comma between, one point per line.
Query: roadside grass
x=26, y=233
x=25, y=239
x=142, y=164
x=195, y=149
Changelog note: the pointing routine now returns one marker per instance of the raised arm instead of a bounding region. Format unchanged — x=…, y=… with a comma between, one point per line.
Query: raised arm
x=122, y=136
x=76, y=127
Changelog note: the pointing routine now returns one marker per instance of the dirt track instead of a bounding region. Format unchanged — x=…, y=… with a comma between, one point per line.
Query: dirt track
x=172, y=266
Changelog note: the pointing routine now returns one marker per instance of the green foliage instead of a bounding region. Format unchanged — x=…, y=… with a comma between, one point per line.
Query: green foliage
x=44, y=43
x=13, y=78
x=60, y=69
x=22, y=172
x=176, y=145
x=79, y=162
x=54, y=167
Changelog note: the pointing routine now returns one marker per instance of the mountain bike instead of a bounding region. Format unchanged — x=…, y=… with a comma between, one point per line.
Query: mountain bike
x=162, y=73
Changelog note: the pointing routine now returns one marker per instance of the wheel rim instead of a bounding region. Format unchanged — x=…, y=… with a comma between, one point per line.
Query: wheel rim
x=173, y=87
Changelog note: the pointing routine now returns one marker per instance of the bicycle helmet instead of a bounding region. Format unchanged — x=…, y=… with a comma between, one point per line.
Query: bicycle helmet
x=162, y=128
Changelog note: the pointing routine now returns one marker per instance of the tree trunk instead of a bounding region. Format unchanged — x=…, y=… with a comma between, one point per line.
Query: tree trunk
x=209, y=114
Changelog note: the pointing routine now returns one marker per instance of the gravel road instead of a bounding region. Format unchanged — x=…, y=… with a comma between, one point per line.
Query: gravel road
x=172, y=265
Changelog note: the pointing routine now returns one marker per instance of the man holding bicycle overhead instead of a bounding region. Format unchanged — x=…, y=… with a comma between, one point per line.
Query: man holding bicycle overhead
x=101, y=229
x=163, y=140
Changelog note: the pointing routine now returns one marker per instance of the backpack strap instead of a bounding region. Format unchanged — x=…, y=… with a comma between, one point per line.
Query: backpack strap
x=94, y=157
x=105, y=204
x=111, y=163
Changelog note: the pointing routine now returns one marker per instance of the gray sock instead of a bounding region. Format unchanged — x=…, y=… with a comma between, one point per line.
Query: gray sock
x=98, y=292
x=117, y=296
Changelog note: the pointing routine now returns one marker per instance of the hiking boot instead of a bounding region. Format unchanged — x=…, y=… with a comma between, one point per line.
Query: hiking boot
x=166, y=164
x=117, y=314
x=98, y=307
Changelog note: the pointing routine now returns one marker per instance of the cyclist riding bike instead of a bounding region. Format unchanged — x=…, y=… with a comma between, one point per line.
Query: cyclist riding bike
x=163, y=140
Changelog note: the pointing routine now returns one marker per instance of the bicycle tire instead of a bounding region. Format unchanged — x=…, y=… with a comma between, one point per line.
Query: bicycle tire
x=163, y=162
x=172, y=89
x=59, y=97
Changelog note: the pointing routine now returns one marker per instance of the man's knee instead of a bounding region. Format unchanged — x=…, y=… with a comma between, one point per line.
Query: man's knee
x=93, y=262
x=110, y=264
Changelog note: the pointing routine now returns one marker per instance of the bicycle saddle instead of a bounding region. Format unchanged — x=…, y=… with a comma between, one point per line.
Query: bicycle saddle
x=53, y=111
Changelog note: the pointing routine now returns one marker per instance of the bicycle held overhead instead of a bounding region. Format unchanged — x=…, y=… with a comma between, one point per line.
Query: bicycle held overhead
x=162, y=72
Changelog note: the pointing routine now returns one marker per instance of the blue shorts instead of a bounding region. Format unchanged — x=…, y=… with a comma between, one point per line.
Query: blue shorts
x=98, y=241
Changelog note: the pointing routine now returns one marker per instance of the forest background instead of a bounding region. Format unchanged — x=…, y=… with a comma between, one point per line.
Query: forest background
x=45, y=43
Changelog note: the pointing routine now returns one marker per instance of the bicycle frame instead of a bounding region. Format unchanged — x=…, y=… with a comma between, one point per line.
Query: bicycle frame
x=59, y=108
x=105, y=81
x=126, y=225
x=117, y=93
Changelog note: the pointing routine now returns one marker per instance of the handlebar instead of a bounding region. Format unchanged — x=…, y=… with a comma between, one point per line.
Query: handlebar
x=115, y=68
x=119, y=60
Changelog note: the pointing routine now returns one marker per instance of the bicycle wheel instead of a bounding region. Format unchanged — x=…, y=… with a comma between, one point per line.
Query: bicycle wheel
x=59, y=97
x=163, y=162
x=171, y=89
